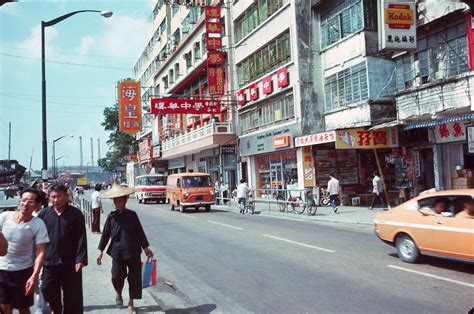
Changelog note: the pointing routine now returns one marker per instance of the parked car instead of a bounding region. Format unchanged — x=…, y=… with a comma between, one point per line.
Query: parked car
x=79, y=190
x=416, y=227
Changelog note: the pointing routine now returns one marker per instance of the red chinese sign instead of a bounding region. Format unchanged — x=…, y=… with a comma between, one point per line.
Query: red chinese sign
x=215, y=81
x=129, y=106
x=253, y=91
x=267, y=86
x=213, y=27
x=215, y=58
x=282, y=77
x=314, y=139
x=364, y=139
x=241, y=97
x=212, y=12
x=213, y=43
x=144, y=149
x=194, y=106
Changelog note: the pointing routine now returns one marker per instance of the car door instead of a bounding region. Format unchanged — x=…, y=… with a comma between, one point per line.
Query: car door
x=454, y=237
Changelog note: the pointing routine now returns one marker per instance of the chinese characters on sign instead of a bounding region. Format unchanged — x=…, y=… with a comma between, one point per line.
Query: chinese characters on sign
x=129, y=106
x=215, y=59
x=282, y=77
x=241, y=97
x=253, y=91
x=144, y=150
x=267, y=86
x=470, y=139
x=319, y=138
x=360, y=138
x=166, y=105
x=450, y=132
x=215, y=80
x=397, y=25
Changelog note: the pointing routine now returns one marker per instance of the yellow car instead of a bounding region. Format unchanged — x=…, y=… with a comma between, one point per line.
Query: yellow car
x=433, y=223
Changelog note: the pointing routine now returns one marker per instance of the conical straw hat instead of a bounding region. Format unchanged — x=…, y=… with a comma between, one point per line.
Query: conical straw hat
x=117, y=190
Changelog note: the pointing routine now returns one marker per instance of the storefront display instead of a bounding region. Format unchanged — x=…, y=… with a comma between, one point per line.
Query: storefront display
x=341, y=163
x=275, y=171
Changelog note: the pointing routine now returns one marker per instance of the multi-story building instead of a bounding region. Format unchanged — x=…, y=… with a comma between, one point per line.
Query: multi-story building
x=174, y=64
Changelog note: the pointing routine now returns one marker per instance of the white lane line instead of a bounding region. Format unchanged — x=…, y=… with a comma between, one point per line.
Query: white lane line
x=190, y=217
x=470, y=285
x=225, y=225
x=299, y=243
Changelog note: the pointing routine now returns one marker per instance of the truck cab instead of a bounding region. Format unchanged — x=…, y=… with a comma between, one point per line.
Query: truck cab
x=150, y=187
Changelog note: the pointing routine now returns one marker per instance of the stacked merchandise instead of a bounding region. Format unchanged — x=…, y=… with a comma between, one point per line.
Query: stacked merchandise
x=462, y=179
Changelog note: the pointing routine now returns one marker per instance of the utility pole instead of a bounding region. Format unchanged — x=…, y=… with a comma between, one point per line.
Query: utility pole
x=92, y=152
x=9, y=139
x=80, y=152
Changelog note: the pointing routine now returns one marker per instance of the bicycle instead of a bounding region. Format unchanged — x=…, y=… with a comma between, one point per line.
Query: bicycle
x=249, y=207
x=310, y=204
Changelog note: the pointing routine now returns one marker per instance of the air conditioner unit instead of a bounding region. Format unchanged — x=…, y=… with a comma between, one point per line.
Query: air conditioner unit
x=417, y=82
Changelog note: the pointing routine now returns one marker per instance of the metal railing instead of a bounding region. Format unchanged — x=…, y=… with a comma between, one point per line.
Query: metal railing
x=209, y=129
x=86, y=208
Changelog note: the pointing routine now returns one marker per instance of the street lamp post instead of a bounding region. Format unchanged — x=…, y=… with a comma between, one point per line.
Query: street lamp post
x=54, y=153
x=56, y=160
x=44, y=172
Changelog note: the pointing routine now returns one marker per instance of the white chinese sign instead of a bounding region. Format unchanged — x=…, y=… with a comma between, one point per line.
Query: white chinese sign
x=320, y=138
x=397, y=22
x=450, y=132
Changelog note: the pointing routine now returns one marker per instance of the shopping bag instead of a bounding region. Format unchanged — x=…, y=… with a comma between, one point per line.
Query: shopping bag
x=149, y=272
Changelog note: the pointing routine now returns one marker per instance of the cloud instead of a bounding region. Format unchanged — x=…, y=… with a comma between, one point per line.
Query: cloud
x=86, y=43
x=33, y=42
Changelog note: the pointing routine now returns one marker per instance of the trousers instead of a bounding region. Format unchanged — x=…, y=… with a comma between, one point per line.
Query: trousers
x=65, y=278
x=130, y=269
x=96, y=219
x=380, y=196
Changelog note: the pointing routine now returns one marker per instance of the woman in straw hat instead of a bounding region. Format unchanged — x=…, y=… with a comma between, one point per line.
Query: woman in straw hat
x=127, y=239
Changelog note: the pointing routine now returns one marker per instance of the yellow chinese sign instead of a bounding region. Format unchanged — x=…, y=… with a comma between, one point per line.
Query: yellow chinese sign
x=308, y=167
x=360, y=138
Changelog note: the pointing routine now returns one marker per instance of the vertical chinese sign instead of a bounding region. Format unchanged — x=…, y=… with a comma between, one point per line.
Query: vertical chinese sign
x=129, y=106
x=308, y=167
x=215, y=58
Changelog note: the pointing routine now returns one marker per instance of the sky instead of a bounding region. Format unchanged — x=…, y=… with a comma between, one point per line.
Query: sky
x=86, y=55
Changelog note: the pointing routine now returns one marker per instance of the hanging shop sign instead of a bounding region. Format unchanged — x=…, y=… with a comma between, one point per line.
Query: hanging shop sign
x=156, y=152
x=241, y=97
x=450, y=132
x=253, y=91
x=314, y=139
x=470, y=139
x=228, y=149
x=360, y=138
x=144, y=150
x=215, y=61
x=263, y=142
x=397, y=22
x=282, y=77
x=193, y=106
x=212, y=12
x=308, y=167
x=215, y=58
x=129, y=106
x=215, y=80
x=267, y=86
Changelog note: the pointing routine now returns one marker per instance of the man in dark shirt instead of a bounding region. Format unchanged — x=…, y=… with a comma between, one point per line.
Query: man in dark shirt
x=66, y=253
x=127, y=239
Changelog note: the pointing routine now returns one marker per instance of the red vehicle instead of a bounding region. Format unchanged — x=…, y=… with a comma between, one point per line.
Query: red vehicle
x=150, y=187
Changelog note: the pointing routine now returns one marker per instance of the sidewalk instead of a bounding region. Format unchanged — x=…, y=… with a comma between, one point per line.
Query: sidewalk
x=345, y=214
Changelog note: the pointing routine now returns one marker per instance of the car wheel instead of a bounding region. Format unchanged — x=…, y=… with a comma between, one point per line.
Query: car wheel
x=172, y=207
x=406, y=249
x=181, y=208
x=208, y=208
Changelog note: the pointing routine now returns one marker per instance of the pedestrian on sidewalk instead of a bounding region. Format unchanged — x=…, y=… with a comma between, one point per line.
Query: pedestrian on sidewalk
x=334, y=188
x=217, y=191
x=127, y=239
x=242, y=193
x=97, y=208
x=377, y=190
x=20, y=267
x=66, y=253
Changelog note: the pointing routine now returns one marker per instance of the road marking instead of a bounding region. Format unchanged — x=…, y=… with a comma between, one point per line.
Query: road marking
x=190, y=217
x=470, y=285
x=225, y=225
x=299, y=243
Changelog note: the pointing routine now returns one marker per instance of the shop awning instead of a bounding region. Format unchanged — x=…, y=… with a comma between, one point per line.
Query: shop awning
x=389, y=124
x=435, y=122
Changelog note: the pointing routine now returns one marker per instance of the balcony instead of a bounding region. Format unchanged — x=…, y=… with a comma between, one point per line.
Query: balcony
x=208, y=136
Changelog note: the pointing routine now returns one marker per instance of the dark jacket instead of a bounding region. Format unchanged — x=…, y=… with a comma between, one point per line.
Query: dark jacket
x=125, y=233
x=67, y=236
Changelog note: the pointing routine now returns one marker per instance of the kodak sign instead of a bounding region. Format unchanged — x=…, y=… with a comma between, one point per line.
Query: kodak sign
x=399, y=16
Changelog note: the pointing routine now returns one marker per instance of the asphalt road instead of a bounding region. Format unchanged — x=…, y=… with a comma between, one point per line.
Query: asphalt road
x=224, y=262
x=230, y=263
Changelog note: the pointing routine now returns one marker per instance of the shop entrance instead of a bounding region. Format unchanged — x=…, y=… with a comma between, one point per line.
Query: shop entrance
x=276, y=176
x=427, y=180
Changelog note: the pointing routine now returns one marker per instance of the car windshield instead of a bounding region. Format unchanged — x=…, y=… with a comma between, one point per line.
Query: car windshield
x=155, y=181
x=196, y=182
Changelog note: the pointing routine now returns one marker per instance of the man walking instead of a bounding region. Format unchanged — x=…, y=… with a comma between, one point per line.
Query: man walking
x=333, y=188
x=66, y=253
x=97, y=209
x=20, y=267
x=242, y=192
x=377, y=190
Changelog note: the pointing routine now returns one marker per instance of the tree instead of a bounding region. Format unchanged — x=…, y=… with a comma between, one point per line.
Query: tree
x=121, y=143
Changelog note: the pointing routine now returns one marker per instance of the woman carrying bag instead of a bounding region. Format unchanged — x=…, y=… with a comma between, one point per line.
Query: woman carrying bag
x=127, y=239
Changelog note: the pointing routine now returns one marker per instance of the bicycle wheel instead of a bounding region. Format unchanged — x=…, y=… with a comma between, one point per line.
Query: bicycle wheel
x=281, y=204
x=299, y=206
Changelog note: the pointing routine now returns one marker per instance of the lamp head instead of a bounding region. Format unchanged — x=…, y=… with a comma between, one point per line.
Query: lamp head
x=106, y=13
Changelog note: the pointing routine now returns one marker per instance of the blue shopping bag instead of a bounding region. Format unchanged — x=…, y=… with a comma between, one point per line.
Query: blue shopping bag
x=149, y=272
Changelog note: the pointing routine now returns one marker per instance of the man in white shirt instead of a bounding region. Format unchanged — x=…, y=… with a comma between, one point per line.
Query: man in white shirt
x=377, y=190
x=242, y=192
x=333, y=188
x=96, y=205
x=20, y=267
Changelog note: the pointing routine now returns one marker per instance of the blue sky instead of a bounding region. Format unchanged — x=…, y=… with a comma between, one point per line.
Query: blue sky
x=86, y=55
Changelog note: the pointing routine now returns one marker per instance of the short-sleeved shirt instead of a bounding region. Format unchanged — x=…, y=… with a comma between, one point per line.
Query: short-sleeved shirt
x=22, y=240
x=95, y=199
x=377, y=183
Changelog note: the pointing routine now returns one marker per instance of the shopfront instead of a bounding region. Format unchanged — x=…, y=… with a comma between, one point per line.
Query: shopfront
x=273, y=160
x=177, y=165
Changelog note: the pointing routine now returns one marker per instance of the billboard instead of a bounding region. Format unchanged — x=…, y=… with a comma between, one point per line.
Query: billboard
x=397, y=25
x=176, y=106
x=129, y=106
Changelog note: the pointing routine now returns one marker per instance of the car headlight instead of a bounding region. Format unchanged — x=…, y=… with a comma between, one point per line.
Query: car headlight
x=186, y=194
x=211, y=192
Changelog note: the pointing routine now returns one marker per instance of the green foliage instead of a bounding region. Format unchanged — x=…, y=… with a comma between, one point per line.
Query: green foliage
x=121, y=143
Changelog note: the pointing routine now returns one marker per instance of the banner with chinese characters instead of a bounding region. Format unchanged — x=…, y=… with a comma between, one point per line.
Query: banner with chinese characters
x=397, y=25
x=215, y=59
x=193, y=106
x=450, y=132
x=314, y=139
x=308, y=167
x=129, y=106
x=215, y=81
x=360, y=138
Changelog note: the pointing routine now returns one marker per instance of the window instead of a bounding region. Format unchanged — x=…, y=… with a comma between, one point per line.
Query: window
x=174, y=9
x=256, y=15
x=264, y=60
x=339, y=19
x=346, y=86
x=197, y=51
x=441, y=53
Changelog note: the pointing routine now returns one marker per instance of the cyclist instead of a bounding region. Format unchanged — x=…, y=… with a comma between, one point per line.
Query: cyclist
x=242, y=192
